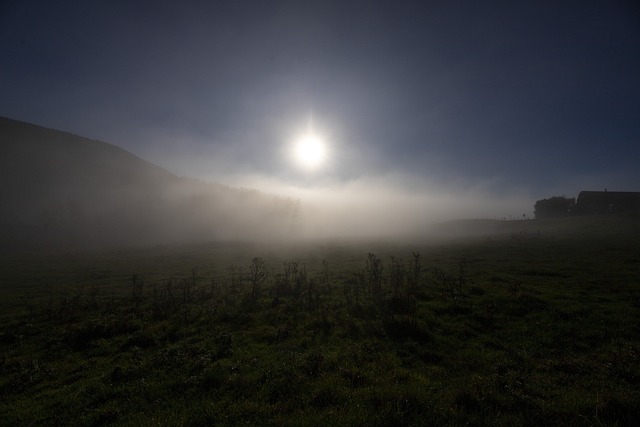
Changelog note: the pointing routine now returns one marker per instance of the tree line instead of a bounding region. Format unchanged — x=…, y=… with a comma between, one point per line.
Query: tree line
x=557, y=206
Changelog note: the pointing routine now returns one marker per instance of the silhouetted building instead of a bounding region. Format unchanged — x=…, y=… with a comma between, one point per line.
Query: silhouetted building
x=607, y=202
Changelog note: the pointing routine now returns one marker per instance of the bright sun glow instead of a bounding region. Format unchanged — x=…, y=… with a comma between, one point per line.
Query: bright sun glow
x=310, y=151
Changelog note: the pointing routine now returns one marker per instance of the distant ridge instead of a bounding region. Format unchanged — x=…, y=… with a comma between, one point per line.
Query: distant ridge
x=36, y=155
x=20, y=132
x=60, y=189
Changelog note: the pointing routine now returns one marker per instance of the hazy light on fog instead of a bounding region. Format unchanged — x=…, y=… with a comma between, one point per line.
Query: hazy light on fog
x=388, y=206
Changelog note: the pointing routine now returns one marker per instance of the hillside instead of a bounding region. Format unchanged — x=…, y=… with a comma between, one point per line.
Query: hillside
x=63, y=190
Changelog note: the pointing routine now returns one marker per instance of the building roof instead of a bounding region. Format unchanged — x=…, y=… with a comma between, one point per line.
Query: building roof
x=600, y=202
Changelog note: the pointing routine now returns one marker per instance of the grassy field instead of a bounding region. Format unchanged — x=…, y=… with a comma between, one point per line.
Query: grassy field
x=537, y=323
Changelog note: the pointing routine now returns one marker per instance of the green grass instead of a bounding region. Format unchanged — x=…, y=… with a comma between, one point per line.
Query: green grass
x=521, y=329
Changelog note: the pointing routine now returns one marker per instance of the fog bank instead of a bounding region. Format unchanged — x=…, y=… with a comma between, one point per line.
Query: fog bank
x=393, y=206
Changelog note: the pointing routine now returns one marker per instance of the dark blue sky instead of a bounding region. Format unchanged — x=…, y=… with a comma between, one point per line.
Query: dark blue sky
x=539, y=97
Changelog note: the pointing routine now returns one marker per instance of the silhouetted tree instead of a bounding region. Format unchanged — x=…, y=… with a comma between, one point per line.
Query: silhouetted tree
x=258, y=274
x=556, y=206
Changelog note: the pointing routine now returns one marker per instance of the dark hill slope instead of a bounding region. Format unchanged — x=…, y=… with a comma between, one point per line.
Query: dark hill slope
x=63, y=189
x=42, y=163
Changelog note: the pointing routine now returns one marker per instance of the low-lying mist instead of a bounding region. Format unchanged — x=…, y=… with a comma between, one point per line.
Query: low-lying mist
x=189, y=211
x=390, y=206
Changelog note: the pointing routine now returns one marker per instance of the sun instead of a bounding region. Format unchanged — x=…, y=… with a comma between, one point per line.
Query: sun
x=310, y=151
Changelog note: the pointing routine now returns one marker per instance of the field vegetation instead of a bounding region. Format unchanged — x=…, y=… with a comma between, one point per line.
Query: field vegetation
x=536, y=326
